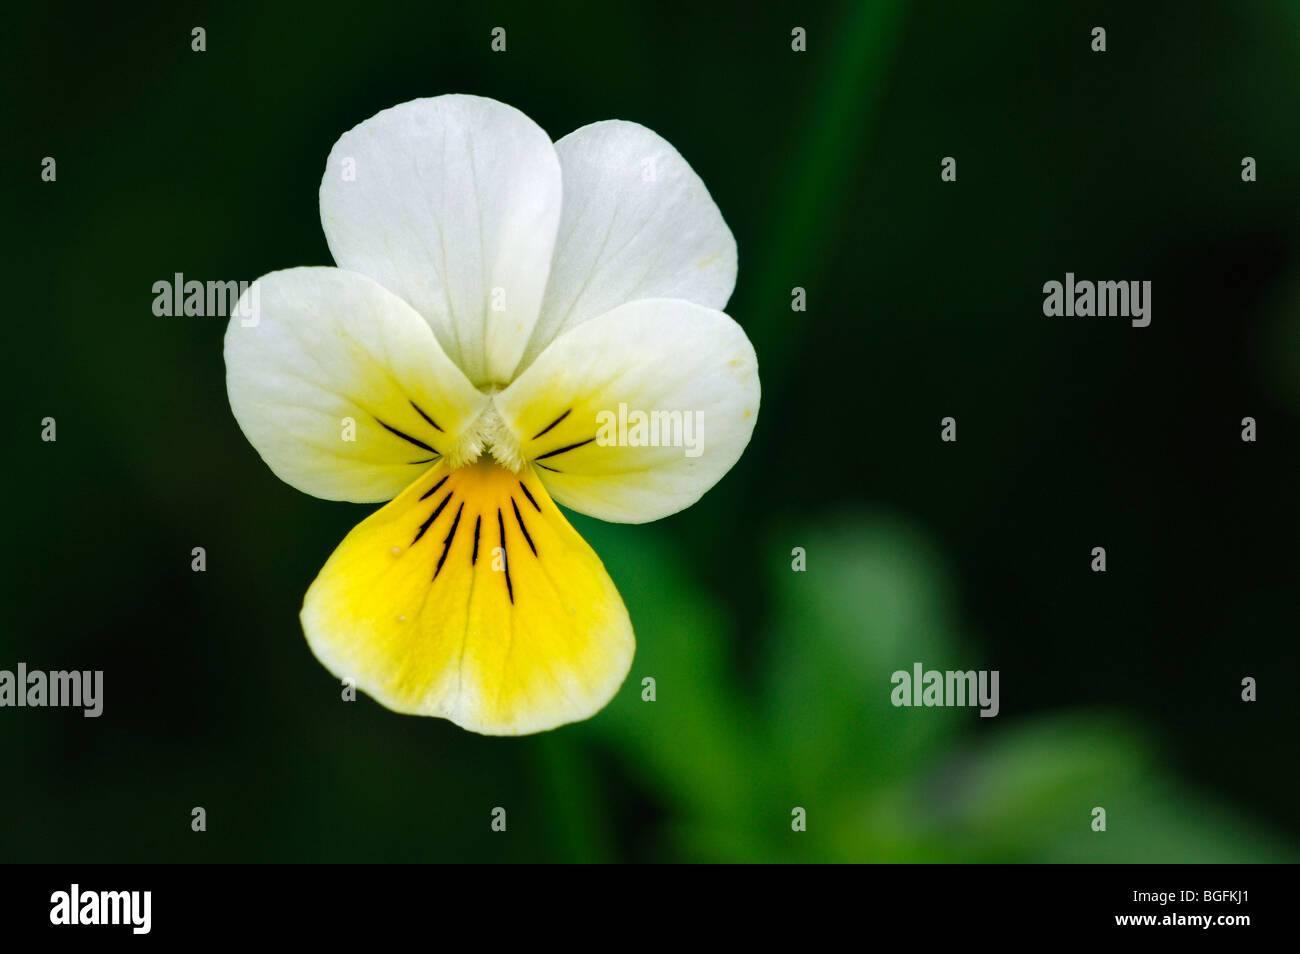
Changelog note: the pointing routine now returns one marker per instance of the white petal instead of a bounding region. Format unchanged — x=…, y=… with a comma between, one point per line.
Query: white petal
x=691, y=366
x=453, y=203
x=340, y=385
x=637, y=223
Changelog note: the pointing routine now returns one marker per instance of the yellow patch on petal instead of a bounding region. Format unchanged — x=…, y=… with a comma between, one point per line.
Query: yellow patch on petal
x=470, y=597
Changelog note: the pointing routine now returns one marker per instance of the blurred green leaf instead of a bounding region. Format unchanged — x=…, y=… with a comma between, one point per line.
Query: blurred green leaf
x=877, y=782
x=697, y=742
x=872, y=601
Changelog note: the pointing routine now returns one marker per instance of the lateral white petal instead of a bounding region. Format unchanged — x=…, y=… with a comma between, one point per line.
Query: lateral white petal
x=340, y=385
x=635, y=414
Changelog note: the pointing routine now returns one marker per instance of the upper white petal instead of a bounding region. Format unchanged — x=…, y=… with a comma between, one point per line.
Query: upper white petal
x=453, y=203
x=637, y=223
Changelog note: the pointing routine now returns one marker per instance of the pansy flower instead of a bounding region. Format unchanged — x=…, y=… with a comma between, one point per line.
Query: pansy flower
x=513, y=323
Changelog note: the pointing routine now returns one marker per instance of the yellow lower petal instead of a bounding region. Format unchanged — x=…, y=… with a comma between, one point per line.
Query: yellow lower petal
x=470, y=597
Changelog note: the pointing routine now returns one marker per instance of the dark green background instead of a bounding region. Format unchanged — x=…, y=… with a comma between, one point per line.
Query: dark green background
x=924, y=300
